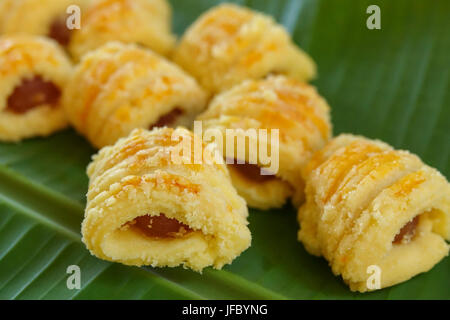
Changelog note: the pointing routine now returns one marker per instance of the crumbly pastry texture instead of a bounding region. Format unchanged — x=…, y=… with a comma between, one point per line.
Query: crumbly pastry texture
x=228, y=44
x=137, y=177
x=361, y=194
x=33, y=17
x=119, y=87
x=22, y=58
x=144, y=22
x=294, y=108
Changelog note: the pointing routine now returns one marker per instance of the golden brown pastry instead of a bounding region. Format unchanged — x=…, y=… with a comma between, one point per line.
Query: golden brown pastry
x=294, y=108
x=144, y=208
x=144, y=22
x=119, y=87
x=370, y=205
x=229, y=43
x=38, y=17
x=33, y=73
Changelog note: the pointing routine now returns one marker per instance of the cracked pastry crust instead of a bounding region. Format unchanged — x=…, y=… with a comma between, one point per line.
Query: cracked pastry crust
x=368, y=204
x=228, y=44
x=144, y=22
x=294, y=108
x=31, y=61
x=34, y=17
x=119, y=87
x=137, y=177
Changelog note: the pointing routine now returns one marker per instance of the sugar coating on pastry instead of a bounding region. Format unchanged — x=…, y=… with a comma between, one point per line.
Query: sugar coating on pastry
x=370, y=205
x=300, y=114
x=33, y=73
x=228, y=44
x=38, y=17
x=143, y=22
x=143, y=208
x=119, y=87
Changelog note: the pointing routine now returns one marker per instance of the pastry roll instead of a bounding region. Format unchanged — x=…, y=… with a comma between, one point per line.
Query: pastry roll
x=229, y=43
x=38, y=17
x=370, y=205
x=302, y=118
x=33, y=73
x=144, y=22
x=119, y=87
x=144, y=208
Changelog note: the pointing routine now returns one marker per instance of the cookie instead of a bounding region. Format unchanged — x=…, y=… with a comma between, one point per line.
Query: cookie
x=229, y=44
x=296, y=110
x=370, y=205
x=39, y=17
x=33, y=73
x=143, y=22
x=143, y=208
x=119, y=87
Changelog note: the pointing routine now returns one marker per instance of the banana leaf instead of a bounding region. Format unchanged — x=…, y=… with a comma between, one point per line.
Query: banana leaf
x=391, y=84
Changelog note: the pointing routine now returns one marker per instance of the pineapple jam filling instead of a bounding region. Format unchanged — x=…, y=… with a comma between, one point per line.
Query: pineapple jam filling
x=168, y=119
x=59, y=32
x=252, y=172
x=160, y=226
x=407, y=232
x=32, y=93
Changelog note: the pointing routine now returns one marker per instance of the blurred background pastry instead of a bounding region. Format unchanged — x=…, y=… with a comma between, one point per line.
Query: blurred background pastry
x=294, y=108
x=119, y=87
x=229, y=44
x=39, y=17
x=143, y=22
x=33, y=73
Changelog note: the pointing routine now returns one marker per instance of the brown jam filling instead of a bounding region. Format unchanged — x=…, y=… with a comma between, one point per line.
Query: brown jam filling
x=407, y=232
x=160, y=226
x=251, y=172
x=168, y=119
x=32, y=93
x=274, y=73
x=58, y=31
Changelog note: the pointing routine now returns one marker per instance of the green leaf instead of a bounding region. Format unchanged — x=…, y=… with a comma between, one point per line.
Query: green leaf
x=392, y=84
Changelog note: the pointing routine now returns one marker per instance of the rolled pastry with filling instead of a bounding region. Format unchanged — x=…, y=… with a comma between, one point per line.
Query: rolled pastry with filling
x=33, y=73
x=145, y=208
x=119, y=87
x=370, y=205
x=143, y=22
x=228, y=44
x=295, y=109
x=39, y=17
